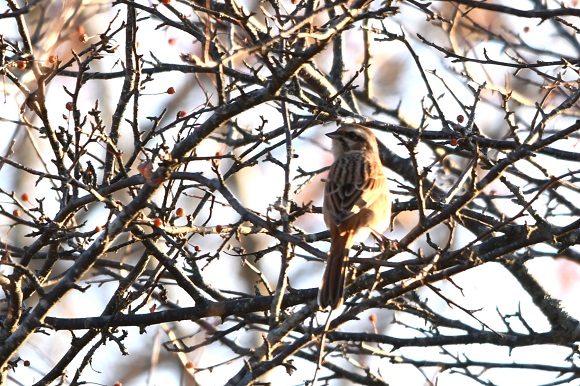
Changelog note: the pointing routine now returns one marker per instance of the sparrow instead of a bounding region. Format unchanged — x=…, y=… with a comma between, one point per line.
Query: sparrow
x=356, y=203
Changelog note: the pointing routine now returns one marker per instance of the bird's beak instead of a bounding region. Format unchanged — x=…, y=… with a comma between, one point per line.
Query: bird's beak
x=332, y=134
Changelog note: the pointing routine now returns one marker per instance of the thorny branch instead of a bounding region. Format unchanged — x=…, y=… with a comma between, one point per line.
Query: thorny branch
x=166, y=168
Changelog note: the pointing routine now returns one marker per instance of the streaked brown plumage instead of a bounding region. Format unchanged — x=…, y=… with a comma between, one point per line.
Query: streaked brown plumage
x=356, y=202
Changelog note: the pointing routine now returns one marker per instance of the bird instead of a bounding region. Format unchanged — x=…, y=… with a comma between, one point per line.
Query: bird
x=356, y=203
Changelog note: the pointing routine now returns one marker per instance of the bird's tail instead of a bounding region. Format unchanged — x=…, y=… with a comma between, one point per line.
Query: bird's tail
x=331, y=292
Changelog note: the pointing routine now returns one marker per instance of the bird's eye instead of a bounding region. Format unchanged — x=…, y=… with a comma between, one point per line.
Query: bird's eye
x=351, y=135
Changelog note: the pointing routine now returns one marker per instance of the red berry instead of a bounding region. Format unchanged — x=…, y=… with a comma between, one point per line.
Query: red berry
x=145, y=169
x=460, y=118
x=157, y=222
x=179, y=212
x=17, y=212
x=181, y=114
x=69, y=106
x=171, y=41
x=25, y=197
x=171, y=91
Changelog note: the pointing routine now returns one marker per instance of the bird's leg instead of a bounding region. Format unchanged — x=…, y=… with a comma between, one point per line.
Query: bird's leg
x=385, y=244
x=381, y=240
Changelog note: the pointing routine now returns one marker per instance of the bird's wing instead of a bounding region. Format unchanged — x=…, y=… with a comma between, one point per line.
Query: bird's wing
x=353, y=183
